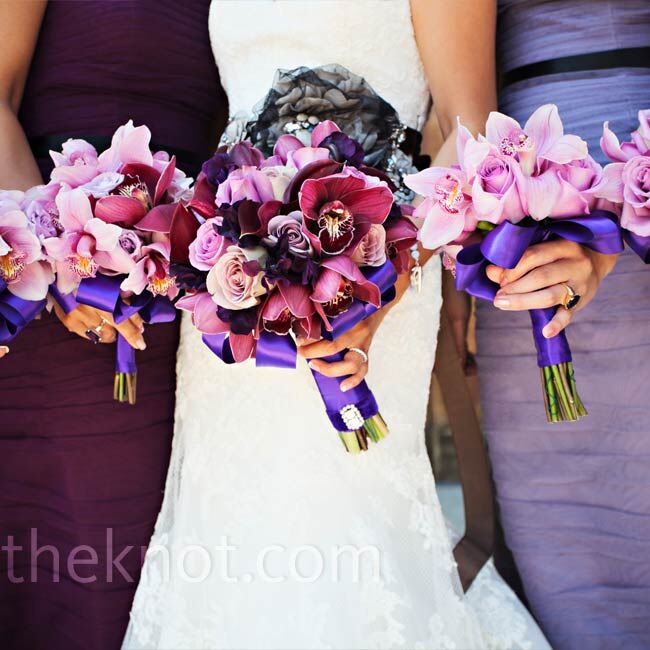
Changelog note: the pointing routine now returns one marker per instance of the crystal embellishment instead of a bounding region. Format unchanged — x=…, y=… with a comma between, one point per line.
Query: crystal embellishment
x=352, y=417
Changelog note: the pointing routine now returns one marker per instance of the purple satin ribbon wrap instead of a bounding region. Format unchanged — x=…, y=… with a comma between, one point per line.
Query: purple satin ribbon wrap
x=277, y=351
x=16, y=313
x=66, y=301
x=640, y=245
x=361, y=396
x=103, y=292
x=505, y=245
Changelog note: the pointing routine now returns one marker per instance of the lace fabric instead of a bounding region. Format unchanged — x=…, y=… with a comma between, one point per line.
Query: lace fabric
x=327, y=550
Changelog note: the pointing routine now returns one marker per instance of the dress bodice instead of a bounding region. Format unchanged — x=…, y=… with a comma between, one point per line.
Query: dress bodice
x=371, y=38
x=98, y=64
x=537, y=30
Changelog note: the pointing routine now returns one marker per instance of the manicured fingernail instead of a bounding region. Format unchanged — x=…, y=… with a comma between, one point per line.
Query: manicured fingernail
x=313, y=365
x=344, y=388
x=500, y=301
x=4, y=349
x=141, y=328
x=141, y=345
x=549, y=331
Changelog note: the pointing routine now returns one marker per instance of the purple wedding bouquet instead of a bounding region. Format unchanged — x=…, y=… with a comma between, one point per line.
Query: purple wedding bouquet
x=515, y=187
x=298, y=242
x=627, y=183
x=108, y=218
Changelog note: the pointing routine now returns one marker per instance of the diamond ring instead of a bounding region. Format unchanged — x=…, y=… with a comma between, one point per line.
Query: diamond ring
x=361, y=353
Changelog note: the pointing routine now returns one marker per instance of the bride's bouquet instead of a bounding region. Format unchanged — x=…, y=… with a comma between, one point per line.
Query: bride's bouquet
x=627, y=183
x=111, y=216
x=515, y=187
x=294, y=243
x=26, y=270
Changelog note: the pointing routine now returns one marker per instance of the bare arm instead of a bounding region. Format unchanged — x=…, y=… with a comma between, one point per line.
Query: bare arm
x=20, y=22
x=461, y=70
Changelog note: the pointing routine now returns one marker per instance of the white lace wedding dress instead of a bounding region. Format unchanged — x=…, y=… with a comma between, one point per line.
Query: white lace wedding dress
x=256, y=464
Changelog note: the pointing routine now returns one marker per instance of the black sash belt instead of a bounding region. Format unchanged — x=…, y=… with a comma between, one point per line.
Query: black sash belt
x=188, y=161
x=632, y=57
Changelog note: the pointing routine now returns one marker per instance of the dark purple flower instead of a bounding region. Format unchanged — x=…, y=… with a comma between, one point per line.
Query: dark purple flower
x=187, y=277
x=343, y=148
x=217, y=168
x=241, y=321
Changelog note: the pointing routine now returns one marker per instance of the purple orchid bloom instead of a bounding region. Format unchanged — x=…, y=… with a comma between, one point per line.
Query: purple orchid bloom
x=339, y=283
x=289, y=307
x=340, y=209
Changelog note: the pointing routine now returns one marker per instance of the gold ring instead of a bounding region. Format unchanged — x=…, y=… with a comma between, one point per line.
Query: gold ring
x=571, y=298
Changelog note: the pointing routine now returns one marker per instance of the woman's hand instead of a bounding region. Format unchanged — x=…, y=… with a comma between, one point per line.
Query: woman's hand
x=354, y=365
x=360, y=336
x=3, y=351
x=85, y=318
x=539, y=280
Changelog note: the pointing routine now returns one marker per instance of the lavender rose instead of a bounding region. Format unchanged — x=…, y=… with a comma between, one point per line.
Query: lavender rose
x=131, y=244
x=581, y=181
x=229, y=282
x=290, y=226
x=371, y=250
x=636, y=192
x=495, y=191
x=208, y=246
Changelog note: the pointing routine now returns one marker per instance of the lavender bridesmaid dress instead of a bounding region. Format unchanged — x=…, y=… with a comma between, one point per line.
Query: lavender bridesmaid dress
x=81, y=476
x=574, y=499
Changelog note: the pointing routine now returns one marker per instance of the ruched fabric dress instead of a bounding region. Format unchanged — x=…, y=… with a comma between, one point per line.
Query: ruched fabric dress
x=575, y=498
x=81, y=476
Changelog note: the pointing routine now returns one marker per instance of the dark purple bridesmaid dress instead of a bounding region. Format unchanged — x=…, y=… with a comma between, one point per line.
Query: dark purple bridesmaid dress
x=574, y=498
x=81, y=476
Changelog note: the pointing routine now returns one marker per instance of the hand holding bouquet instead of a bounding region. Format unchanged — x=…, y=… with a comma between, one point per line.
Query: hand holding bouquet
x=295, y=243
x=627, y=183
x=111, y=246
x=514, y=188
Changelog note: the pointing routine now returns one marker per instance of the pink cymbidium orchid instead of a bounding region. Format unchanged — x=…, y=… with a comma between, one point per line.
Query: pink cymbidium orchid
x=446, y=212
x=541, y=139
x=22, y=265
x=151, y=272
x=87, y=243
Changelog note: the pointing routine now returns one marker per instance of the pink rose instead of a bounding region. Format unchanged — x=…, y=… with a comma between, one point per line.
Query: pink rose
x=230, y=283
x=371, y=250
x=636, y=193
x=580, y=182
x=495, y=190
x=259, y=185
x=290, y=226
x=628, y=184
x=208, y=246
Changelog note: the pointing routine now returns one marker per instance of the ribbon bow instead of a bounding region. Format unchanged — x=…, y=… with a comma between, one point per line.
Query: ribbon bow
x=505, y=245
x=103, y=292
x=16, y=313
